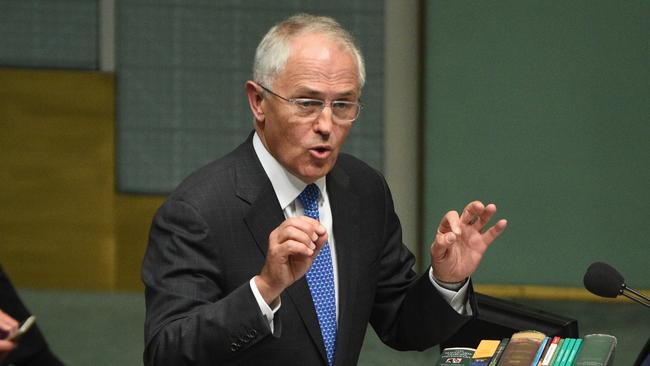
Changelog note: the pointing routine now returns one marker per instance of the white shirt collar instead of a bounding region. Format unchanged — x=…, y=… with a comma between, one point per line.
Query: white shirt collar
x=287, y=187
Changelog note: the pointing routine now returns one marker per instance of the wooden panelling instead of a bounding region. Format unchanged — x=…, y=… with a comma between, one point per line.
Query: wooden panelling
x=56, y=178
x=133, y=215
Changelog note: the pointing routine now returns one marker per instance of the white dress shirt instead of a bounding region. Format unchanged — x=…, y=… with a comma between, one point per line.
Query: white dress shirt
x=287, y=187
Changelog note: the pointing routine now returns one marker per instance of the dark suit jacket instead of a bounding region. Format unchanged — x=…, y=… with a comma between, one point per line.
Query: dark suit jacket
x=32, y=348
x=210, y=238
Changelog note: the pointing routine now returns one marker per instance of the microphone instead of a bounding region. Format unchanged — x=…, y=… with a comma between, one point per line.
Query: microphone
x=604, y=280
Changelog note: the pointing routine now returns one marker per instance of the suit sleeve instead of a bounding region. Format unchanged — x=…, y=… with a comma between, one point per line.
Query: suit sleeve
x=190, y=318
x=408, y=312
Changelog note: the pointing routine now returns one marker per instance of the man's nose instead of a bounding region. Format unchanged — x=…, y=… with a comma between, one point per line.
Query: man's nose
x=324, y=121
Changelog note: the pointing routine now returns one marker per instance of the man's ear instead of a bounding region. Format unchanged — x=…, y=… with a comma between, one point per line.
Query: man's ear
x=255, y=98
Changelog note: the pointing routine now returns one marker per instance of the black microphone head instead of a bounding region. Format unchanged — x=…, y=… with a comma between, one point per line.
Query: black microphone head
x=603, y=280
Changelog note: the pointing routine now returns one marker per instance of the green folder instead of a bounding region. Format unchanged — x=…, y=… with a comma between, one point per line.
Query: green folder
x=596, y=349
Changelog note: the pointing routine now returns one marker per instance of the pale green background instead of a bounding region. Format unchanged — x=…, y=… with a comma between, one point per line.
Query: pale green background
x=544, y=108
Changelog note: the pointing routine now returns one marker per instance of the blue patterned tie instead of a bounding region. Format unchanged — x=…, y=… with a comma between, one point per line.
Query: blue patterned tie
x=320, y=278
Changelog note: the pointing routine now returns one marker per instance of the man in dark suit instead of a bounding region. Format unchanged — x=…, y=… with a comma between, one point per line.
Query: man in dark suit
x=282, y=252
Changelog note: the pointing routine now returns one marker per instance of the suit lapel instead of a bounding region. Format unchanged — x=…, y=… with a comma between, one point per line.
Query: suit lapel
x=345, y=206
x=254, y=187
x=263, y=216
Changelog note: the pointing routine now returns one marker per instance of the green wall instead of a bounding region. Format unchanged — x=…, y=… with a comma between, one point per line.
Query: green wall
x=543, y=108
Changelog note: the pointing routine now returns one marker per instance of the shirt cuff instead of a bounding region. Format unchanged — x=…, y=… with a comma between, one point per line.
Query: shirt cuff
x=455, y=295
x=264, y=307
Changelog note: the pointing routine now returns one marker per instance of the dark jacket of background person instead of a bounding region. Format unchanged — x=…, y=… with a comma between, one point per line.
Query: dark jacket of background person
x=32, y=349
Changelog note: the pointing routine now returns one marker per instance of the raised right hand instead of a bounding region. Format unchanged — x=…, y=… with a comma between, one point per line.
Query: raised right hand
x=292, y=248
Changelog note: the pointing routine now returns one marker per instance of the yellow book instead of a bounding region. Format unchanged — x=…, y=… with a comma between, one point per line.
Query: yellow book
x=486, y=348
x=484, y=352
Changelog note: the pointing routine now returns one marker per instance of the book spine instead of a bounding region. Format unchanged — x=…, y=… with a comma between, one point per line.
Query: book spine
x=596, y=349
x=540, y=351
x=456, y=356
x=552, y=348
x=574, y=352
x=479, y=362
x=522, y=348
x=557, y=351
x=499, y=352
x=567, y=349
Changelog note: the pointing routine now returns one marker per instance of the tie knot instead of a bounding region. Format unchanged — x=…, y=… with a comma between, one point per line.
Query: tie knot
x=309, y=200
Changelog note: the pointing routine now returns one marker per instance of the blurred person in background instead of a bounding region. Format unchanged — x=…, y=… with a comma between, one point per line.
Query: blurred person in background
x=30, y=349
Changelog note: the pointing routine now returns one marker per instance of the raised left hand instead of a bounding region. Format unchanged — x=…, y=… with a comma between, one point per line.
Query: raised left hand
x=460, y=243
x=8, y=326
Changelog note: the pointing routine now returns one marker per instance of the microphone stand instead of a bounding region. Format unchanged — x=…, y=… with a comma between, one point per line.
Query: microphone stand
x=636, y=297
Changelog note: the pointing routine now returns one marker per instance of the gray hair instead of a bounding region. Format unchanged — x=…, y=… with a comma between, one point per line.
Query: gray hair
x=273, y=51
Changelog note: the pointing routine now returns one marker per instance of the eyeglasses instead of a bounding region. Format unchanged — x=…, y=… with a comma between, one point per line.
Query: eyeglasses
x=342, y=111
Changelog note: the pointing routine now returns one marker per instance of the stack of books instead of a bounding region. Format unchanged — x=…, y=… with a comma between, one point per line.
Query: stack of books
x=532, y=348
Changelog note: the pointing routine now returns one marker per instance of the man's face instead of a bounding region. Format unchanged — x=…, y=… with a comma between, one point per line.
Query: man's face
x=317, y=68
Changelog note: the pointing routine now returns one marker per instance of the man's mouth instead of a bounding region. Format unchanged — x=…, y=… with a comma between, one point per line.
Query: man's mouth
x=321, y=151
